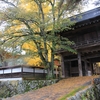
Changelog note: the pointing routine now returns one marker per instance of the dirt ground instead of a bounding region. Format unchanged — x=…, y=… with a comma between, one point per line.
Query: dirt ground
x=55, y=91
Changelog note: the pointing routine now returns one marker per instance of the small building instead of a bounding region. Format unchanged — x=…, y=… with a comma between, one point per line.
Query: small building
x=23, y=72
x=20, y=72
x=86, y=35
x=13, y=67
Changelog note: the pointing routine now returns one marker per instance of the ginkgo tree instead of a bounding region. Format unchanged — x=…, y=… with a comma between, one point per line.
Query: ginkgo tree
x=35, y=26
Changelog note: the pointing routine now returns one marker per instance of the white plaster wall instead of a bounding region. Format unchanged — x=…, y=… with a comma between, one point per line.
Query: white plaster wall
x=39, y=70
x=7, y=71
x=16, y=70
x=27, y=70
x=1, y=71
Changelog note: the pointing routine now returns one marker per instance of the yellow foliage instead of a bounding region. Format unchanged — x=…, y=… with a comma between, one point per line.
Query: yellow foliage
x=31, y=6
x=15, y=28
x=29, y=46
x=16, y=22
x=28, y=9
x=36, y=61
x=33, y=61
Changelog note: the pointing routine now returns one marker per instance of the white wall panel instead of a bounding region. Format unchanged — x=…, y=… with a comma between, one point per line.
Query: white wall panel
x=14, y=70
x=38, y=70
x=27, y=69
x=1, y=71
x=7, y=71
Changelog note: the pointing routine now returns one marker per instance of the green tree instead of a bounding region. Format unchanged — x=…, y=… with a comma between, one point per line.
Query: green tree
x=39, y=26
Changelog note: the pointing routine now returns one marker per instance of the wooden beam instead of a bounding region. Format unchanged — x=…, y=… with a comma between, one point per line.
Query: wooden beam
x=21, y=71
x=92, y=56
x=90, y=49
x=71, y=59
x=91, y=65
x=80, y=64
x=70, y=68
x=86, y=69
x=62, y=66
x=85, y=60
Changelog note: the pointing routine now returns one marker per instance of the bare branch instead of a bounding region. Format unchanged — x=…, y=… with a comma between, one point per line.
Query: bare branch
x=9, y=3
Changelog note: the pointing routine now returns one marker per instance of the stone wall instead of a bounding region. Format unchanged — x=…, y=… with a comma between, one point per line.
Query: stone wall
x=11, y=88
x=91, y=93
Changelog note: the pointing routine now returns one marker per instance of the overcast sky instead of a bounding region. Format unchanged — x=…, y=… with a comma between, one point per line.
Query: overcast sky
x=91, y=5
x=86, y=8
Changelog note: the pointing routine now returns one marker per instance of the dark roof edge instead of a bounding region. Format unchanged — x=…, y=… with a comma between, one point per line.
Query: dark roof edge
x=86, y=15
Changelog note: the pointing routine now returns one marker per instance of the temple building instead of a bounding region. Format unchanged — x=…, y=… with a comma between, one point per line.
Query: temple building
x=86, y=35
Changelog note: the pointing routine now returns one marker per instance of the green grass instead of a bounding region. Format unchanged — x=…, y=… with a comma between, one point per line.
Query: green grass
x=72, y=93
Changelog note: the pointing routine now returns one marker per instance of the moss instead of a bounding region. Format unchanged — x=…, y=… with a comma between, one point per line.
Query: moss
x=72, y=92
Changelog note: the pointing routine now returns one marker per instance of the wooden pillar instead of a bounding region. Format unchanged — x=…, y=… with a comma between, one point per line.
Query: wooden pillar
x=62, y=67
x=91, y=66
x=11, y=72
x=86, y=69
x=21, y=71
x=70, y=68
x=80, y=64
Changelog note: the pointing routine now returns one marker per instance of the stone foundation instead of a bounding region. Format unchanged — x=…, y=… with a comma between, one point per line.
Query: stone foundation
x=11, y=88
x=91, y=93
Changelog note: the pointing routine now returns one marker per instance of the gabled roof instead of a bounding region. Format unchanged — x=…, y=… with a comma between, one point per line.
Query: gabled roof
x=86, y=15
x=87, y=18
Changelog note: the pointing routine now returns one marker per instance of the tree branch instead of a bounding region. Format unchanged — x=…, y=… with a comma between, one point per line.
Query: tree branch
x=9, y=3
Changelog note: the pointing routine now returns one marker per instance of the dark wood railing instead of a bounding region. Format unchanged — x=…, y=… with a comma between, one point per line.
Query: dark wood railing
x=87, y=43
